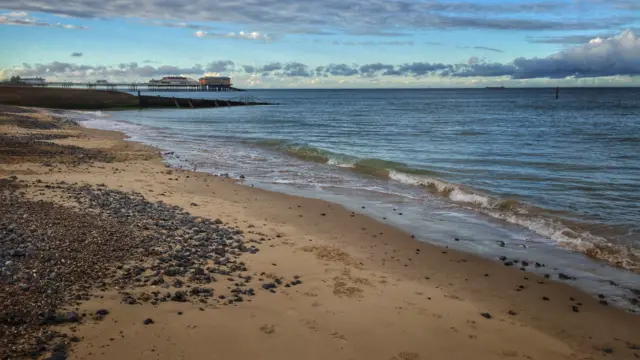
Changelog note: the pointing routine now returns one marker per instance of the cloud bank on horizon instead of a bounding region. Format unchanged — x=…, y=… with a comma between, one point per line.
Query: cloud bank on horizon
x=280, y=43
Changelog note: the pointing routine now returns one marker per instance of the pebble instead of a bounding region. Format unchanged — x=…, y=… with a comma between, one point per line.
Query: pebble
x=148, y=321
x=486, y=315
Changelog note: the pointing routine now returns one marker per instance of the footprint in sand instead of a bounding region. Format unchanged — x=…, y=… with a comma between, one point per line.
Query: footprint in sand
x=406, y=356
x=268, y=329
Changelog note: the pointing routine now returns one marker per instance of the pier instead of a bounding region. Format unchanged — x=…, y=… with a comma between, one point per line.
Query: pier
x=133, y=87
x=103, y=99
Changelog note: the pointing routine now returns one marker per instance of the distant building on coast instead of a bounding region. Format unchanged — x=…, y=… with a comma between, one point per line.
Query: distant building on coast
x=216, y=81
x=173, y=81
x=33, y=81
x=102, y=82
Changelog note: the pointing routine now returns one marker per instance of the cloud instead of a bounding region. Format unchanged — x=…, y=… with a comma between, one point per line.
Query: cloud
x=271, y=67
x=180, y=25
x=487, y=48
x=131, y=70
x=295, y=69
x=220, y=66
x=254, y=35
x=484, y=48
x=617, y=55
x=338, y=70
x=373, y=43
x=357, y=17
x=20, y=18
x=17, y=14
x=614, y=56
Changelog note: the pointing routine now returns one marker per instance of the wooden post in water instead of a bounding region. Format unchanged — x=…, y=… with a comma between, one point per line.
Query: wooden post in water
x=557, y=91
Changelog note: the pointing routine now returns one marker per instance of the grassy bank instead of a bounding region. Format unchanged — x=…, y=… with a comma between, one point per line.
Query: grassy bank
x=72, y=99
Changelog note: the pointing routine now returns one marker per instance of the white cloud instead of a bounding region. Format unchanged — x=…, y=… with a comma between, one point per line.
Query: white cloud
x=21, y=18
x=254, y=35
x=17, y=14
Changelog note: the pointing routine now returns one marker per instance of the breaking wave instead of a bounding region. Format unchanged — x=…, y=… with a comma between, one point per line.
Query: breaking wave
x=588, y=239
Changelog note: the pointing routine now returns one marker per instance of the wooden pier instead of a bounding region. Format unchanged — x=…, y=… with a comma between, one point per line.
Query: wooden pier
x=133, y=87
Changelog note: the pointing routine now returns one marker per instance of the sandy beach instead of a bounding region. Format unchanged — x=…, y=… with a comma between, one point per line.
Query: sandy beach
x=251, y=274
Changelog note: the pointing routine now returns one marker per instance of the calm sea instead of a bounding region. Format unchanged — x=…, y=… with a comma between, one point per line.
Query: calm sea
x=510, y=172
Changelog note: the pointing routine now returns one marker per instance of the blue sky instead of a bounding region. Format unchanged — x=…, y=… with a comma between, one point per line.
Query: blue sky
x=326, y=43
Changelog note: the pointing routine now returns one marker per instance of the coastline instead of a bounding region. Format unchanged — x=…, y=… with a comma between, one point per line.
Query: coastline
x=369, y=291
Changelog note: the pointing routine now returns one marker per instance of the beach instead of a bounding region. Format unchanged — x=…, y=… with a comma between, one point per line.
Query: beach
x=252, y=273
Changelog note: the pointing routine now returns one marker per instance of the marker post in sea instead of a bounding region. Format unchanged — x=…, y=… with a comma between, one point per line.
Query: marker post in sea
x=557, y=91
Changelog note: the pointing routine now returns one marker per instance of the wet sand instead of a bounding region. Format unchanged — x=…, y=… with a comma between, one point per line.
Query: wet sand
x=366, y=291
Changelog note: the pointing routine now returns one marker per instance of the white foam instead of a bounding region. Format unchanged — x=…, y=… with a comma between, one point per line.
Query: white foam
x=458, y=195
x=455, y=193
x=341, y=162
x=581, y=241
x=105, y=124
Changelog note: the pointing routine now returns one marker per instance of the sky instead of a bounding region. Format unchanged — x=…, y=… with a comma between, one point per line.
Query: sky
x=326, y=43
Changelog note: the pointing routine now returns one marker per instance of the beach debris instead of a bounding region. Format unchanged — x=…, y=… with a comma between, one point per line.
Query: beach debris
x=486, y=315
x=148, y=321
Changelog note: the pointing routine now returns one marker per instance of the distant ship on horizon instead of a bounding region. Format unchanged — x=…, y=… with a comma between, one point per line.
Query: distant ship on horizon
x=494, y=87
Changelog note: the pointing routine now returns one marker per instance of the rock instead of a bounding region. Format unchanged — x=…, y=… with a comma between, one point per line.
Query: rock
x=102, y=312
x=508, y=263
x=502, y=258
x=604, y=302
x=217, y=221
x=172, y=271
x=511, y=312
x=179, y=296
x=575, y=308
x=565, y=277
x=148, y=321
x=157, y=281
x=486, y=315
x=268, y=286
x=72, y=317
x=545, y=298
x=607, y=350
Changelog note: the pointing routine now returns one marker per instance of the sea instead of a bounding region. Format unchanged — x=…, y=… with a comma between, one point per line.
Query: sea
x=506, y=172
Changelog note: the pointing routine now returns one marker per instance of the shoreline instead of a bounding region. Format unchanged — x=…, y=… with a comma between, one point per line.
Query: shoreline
x=369, y=290
x=586, y=263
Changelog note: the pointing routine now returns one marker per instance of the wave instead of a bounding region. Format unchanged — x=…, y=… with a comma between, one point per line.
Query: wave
x=551, y=224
